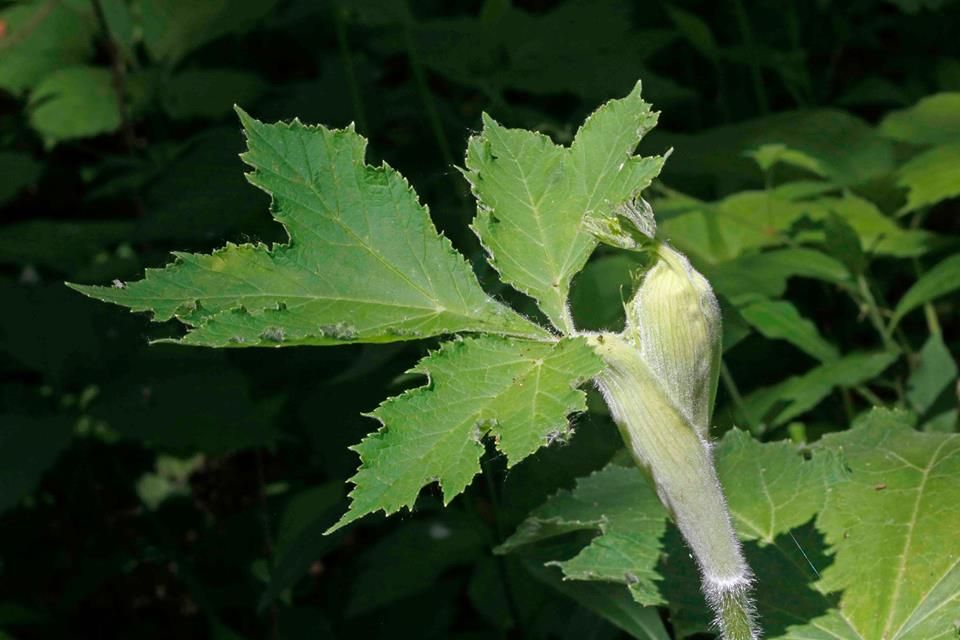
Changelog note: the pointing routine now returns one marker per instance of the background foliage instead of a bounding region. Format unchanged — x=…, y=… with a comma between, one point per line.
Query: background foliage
x=147, y=488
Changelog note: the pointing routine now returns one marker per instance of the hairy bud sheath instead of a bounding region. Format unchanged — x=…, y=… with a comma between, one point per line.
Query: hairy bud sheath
x=660, y=383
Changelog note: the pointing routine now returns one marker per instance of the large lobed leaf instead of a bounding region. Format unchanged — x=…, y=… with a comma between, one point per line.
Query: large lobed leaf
x=364, y=262
x=618, y=502
x=533, y=195
x=520, y=392
x=883, y=562
x=893, y=531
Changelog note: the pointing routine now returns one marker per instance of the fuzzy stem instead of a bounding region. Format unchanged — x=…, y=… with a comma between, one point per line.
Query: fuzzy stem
x=663, y=442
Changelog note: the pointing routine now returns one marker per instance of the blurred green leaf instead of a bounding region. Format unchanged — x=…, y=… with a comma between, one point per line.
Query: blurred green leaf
x=300, y=541
x=942, y=279
x=207, y=407
x=779, y=404
x=60, y=245
x=931, y=176
x=549, y=52
x=173, y=28
x=848, y=150
x=74, y=102
x=696, y=31
x=170, y=478
x=611, y=601
x=42, y=37
x=879, y=233
x=766, y=273
x=412, y=557
x=934, y=120
x=29, y=445
x=780, y=320
x=935, y=371
x=770, y=155
x=19, y=171
x=599, y=291
x=209, y=93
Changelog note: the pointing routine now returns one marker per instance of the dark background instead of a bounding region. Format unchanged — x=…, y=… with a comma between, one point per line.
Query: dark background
x=150, y=491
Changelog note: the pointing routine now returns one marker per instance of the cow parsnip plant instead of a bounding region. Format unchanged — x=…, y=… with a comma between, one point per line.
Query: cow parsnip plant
x=364, y=263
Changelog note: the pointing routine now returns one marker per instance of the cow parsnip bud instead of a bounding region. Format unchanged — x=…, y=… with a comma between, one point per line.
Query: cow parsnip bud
x=660, y=384
x=674, y=320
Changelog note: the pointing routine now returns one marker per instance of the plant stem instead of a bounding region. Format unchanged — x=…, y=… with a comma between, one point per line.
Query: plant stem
x=873, y=311
x=731, y=386
x=664, y=443
x=119, y=73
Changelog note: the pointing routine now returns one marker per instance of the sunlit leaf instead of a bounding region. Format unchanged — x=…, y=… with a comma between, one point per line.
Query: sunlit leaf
x=518, y=392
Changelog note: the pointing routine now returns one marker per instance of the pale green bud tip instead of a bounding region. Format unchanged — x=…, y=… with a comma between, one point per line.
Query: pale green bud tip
x=674, y=320
x=630, y=225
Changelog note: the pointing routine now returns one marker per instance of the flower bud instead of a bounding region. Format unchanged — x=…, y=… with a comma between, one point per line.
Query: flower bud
x=674, y=320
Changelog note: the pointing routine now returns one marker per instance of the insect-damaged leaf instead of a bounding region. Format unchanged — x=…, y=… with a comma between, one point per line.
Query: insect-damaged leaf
x=533, y=195
x=364, y=262
x=518, y=391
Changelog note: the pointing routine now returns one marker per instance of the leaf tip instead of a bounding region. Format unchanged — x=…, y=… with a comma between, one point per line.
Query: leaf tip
x=246, y=120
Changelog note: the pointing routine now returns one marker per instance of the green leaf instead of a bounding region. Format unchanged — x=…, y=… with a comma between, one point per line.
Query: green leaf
x=793, y=489
x=76, y=102
x=892, y=531
x=847, y=149
x=770, y=488
x=610, y=601
x=533, y=195
x=766, y=273
x=300, y=541
x=388, y=572
x=695, y=31
x=779, y=319
x=58, y=244
x=933, y=120
x=879, y=234
x=207, y=407
x=780, y=403
x=200, y=191
x=552, y=51
x=599, y=291
x=749, y=220
x=169, y=479
x=930, y=177
x=173, y=28
x=29, y=445
x=19, y=170
x=41, y=37
x=942, y=279
x=770, y=155
x=773, y=493
x=618, y=502
x=519, y=392
x=934, y=373
x=209, y=93
x=364, y=262
x=880, y=491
